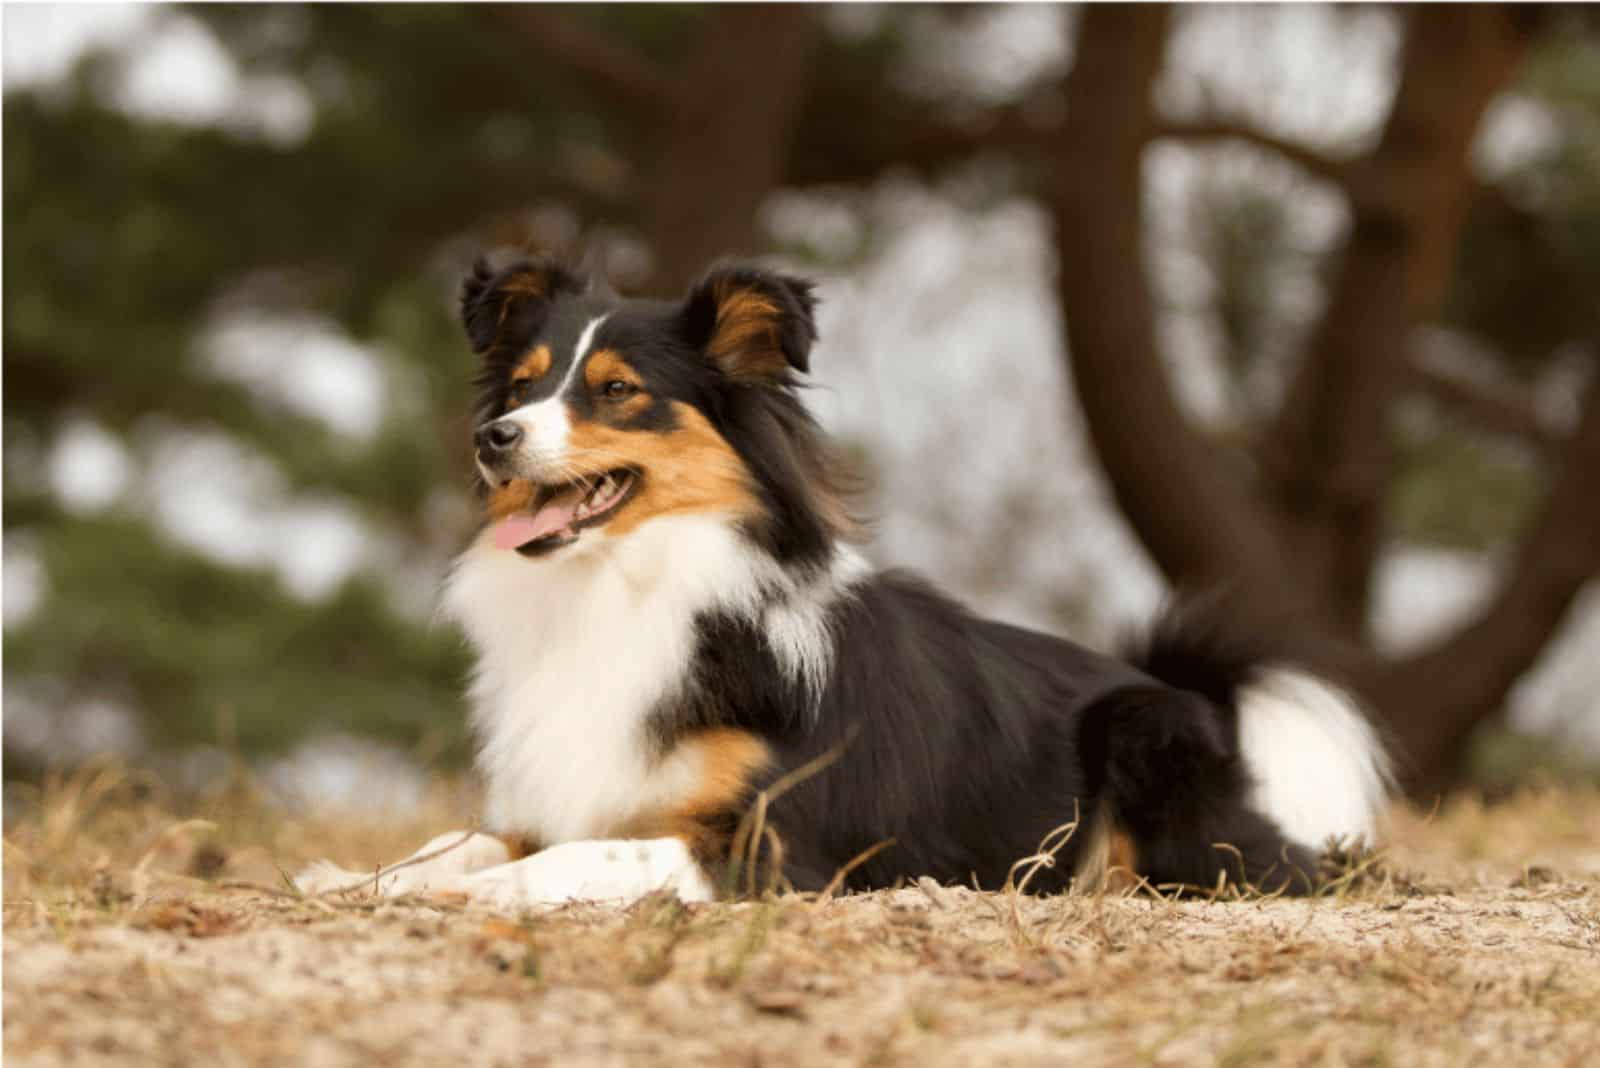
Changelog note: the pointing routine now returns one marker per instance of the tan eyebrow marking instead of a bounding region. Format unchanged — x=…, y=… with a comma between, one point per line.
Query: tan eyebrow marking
x=608, y=365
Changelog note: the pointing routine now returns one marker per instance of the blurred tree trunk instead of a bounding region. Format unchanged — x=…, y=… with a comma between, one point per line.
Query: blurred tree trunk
x=1327, y=464
x=1433, y=699
x=1195, y=519
x=1302, y=540
x=727, y=140
x=723, y=123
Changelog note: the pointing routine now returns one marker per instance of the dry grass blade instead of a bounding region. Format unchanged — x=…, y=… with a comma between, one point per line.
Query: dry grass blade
x=1449, y=951
x=1045, y=858
x=849, y=866
x=753, y=829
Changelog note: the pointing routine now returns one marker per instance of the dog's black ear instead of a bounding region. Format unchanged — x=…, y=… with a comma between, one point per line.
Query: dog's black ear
x=514, y=299
x=755, y=325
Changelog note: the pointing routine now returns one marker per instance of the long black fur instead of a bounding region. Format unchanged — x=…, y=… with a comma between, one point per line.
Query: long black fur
x=968, y=741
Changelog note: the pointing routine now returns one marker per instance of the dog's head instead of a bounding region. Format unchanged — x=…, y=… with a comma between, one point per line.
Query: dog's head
x=598, y=414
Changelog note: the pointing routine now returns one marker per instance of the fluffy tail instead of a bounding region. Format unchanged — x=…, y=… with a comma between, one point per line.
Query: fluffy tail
x=1317, y=768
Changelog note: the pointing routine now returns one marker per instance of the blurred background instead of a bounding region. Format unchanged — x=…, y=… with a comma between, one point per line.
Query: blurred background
x=1116, y=302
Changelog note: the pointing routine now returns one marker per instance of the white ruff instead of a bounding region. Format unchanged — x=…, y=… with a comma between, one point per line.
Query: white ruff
x=1320, y=770
x=576, y=649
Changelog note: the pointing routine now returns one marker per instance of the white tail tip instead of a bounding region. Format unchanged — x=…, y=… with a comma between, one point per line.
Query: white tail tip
x=1320, y=771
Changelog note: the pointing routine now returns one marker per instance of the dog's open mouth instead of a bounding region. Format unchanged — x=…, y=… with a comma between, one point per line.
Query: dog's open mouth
x=559, y=513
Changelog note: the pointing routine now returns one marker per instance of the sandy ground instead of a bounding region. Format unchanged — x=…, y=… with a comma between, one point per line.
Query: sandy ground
x=1475, y=938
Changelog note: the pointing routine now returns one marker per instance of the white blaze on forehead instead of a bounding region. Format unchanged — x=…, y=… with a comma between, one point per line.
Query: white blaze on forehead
x=545, y=422
x=584, y=341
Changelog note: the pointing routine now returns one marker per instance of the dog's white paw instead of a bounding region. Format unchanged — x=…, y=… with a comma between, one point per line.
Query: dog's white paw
x=324, y=875
x=448, y=857
x=614, y=871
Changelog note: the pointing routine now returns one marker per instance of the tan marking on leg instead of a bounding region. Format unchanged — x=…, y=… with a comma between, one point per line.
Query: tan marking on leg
x=519, y=845
x=730, y=759
x=1122, y=862
x=1110, y=858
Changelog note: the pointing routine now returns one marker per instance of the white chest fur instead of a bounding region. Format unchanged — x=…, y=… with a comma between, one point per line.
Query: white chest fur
x=575, y=651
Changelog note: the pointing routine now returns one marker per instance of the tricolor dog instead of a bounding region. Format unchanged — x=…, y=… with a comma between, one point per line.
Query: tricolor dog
x=671, y=619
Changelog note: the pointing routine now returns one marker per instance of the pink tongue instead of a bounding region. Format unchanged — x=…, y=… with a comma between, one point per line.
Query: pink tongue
x=518, y=530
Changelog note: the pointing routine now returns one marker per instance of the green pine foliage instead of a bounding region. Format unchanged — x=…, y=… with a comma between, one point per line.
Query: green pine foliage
x=435, y=129
x=125, y=238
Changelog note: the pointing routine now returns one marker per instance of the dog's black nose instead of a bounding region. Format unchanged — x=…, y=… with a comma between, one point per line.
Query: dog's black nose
x=497, y=436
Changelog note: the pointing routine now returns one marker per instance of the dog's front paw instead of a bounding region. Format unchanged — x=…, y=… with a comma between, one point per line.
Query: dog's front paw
x=613, y=871
x=435, y=868
x=324, y=875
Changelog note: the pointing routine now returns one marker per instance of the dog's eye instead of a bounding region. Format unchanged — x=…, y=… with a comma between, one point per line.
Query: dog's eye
x=519, y=390
x=616, y=389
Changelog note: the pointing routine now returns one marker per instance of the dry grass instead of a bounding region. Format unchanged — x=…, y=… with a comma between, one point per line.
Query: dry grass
x=129, y=940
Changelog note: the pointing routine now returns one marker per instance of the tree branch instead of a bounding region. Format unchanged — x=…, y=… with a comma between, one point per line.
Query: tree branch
x=1030, y=125
x=1328, y=458
x=927, y=142
x=630, y=79
x=1195, y=520
x=1504, y=410
x=1308, y=159
x=1436, y=697
x=1014, y=126
x=931, y=143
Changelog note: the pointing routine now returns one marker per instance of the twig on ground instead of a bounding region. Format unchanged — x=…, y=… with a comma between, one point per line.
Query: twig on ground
x=259, y=888
x=851, y=865
x=381, y=872
x=753, y=829
x=1052, y=844
x=933, y=892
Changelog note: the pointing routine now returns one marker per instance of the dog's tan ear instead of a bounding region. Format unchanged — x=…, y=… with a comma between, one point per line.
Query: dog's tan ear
x=515, y=298
x=755, y=325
